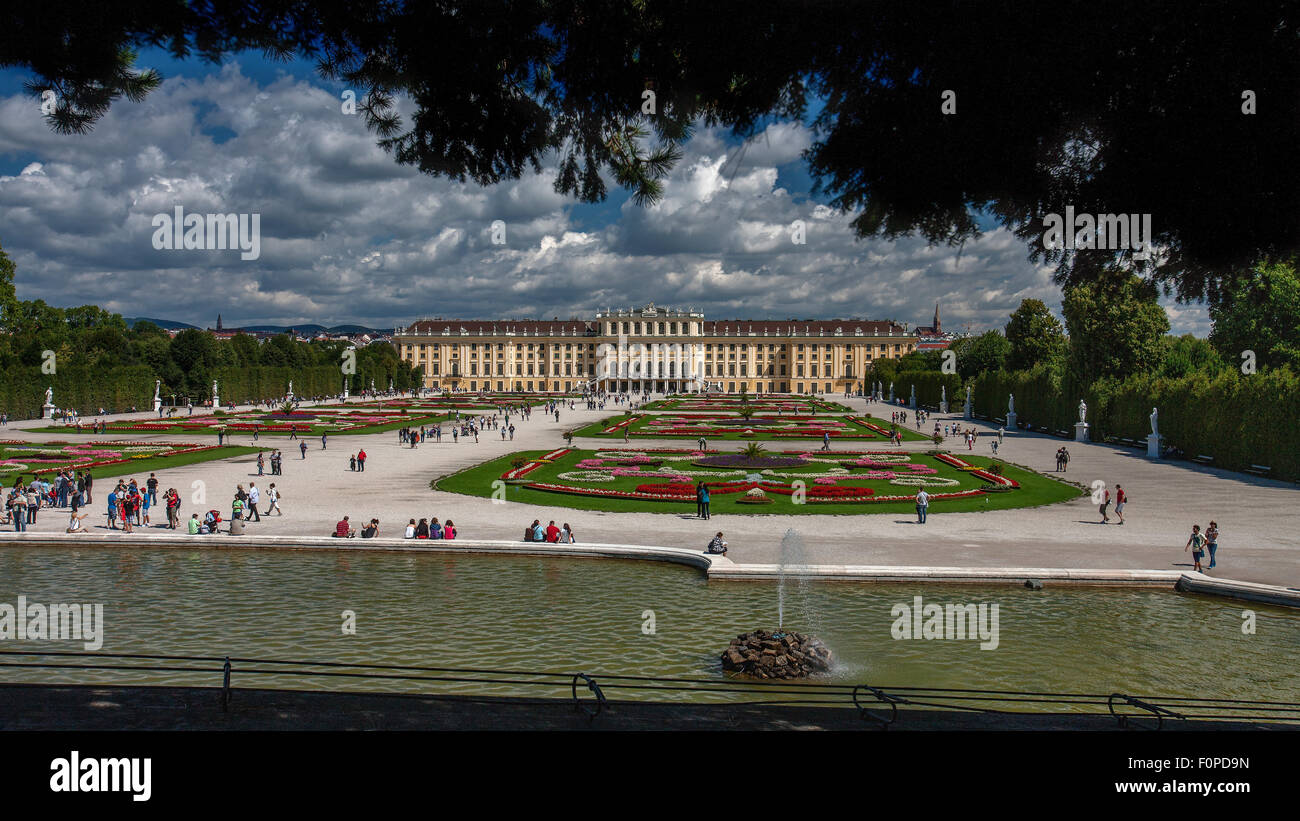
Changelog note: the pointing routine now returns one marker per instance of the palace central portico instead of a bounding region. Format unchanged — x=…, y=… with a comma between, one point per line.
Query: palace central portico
x=662, y=350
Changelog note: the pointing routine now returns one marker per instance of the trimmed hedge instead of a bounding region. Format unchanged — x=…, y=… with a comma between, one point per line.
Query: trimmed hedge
x=1239, y=420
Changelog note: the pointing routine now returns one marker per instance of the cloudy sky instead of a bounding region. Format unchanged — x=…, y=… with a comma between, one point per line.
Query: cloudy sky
x=348, y=236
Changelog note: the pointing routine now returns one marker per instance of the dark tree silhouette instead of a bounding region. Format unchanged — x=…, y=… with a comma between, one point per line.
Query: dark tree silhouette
x=1109, y=107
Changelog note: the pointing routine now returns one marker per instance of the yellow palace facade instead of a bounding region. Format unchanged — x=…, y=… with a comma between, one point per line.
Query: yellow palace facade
x=662, y=350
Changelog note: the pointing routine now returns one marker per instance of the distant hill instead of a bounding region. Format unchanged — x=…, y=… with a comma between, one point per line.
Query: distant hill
x=169, y=324
x=314, y=329
x=165, y=324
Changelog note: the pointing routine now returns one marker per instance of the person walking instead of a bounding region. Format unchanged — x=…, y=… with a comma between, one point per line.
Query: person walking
x=273, y=501
x=1105, y=506
x=922, y=506
x=322, y=440
x=1212, y=541
x=303, y=447
x=254, y=497
x=826, y=440
x=703, y=444
x=361, y=460
x=704, y=500
x=1121, y=499
x=261, y=463
x=1196, y=543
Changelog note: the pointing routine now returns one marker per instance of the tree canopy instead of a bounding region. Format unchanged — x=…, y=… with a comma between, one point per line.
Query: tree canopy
x=1187, y=112
x=1116, y=327
x=1260, y=314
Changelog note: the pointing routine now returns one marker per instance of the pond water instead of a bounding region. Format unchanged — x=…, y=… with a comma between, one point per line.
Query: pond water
x=590, y=615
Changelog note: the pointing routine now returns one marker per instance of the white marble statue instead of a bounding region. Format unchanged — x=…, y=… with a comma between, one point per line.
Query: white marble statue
x=1083, y=411
x=1011, y=403
x=157, y=386
x=49, y=396
x=1155, y=430
x=968, y=394
x=943, y=393
x=214, y=388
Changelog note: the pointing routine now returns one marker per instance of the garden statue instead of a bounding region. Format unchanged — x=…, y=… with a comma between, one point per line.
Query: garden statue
x=1011, y=403
x=1155, y=431
x=1083, y=411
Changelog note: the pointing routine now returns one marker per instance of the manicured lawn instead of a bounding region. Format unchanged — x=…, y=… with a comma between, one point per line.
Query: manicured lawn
x=1034, y=489
x=765, y=427
x=137, y=467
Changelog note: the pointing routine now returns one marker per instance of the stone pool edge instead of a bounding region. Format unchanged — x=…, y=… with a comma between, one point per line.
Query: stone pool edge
x=715, y=567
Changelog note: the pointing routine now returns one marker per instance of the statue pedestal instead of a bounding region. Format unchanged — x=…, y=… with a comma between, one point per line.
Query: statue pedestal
x=157, y=404
x=1011, y=420
x=47, y=411
x=1153, y=446
x=1081, y=431
x=943, y=407
x=911, y=402
x=968, y=412
x=216, y=402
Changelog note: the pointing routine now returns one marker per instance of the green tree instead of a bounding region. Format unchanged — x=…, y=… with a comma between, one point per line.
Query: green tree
x=1116, y=327
x=985, y=353
x=245, y=349
x=1187, y=355
x=1034, y=334
x=921, y=361
x=8, y=295
x=1262, y=314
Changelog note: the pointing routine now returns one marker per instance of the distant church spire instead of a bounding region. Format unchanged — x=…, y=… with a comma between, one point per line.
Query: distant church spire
x=936, y=319
x=219, y=320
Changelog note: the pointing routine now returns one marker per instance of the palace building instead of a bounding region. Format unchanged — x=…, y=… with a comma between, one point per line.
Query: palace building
x=663, y=350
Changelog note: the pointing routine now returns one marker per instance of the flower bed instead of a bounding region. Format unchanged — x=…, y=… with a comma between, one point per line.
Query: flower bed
x=59, y=456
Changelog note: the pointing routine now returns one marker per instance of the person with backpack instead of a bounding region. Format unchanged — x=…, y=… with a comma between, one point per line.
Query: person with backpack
x=704, y=500
x=173, y=500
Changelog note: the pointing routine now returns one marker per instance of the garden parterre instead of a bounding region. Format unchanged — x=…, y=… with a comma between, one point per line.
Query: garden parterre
x=38, y=458
x=733, y=402
x=732, y=426
x=314, y=421
x=792, y=481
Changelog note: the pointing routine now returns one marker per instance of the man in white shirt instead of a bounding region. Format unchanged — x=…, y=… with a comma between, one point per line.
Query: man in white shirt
x=254, y=496
x=273, y=501
x=922, y=505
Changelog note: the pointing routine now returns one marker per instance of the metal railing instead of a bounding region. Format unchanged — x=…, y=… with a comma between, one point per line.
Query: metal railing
x=1145, y=712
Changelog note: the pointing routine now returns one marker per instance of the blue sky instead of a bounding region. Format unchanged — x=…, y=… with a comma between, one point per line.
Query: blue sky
x=350, y=237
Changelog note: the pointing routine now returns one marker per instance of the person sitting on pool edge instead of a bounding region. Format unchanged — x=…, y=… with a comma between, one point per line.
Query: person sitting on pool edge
x=717, y=546
x=343, y=530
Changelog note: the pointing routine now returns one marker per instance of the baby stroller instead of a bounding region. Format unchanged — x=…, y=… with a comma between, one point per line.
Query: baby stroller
x=211, y=522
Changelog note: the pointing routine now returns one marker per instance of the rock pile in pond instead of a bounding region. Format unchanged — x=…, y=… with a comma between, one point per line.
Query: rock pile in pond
x=780, y=654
